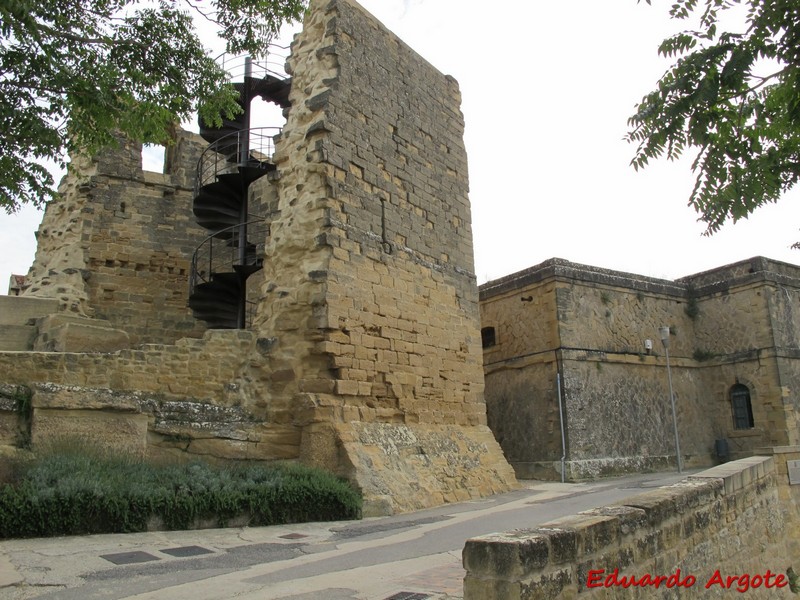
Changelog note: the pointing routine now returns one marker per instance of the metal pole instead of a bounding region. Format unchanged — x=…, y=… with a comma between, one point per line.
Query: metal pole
x=665, y=340
x=561, y=419
x=244, y=158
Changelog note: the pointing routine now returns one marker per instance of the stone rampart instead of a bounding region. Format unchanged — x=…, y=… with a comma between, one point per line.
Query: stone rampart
x=586, y=327
x=736, y=520
x=118, y=243
x=184, y=400
x=369, y=303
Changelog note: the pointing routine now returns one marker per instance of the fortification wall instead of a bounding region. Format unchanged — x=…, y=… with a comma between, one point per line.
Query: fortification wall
x=118, y=244
x=184, y=400
x=369, y=298
x=733, y=326
x=736, y=520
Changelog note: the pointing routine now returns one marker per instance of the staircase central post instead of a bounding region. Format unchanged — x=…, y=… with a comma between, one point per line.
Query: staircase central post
x=244, y=158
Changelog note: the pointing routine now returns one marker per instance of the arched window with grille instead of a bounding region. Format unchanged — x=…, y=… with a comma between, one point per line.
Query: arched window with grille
x=741, y=406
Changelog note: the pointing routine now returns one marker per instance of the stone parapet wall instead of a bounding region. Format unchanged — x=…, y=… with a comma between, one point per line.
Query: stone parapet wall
x=524, y=324
x=204, y=369
x=737, y=519
x=743, y=307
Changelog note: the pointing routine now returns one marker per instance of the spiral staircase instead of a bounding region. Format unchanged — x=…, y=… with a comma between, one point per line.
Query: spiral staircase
x=235, y=157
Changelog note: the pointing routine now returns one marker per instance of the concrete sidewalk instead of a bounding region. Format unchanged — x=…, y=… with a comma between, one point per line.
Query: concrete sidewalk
x=406, y=557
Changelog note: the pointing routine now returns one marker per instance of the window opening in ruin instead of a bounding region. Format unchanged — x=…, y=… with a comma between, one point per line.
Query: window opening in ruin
x=153, y=158
x=742, y=408
x=488, y=337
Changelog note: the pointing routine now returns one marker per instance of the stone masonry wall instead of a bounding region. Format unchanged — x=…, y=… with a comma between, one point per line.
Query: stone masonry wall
x=730, y=521
x=182, y=400
x=118, y=243
x=590, y=324
x=364, y=356
x=369, y=301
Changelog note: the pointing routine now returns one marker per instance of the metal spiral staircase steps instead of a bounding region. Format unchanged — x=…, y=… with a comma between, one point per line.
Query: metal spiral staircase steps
x=271, y=89
x=213, y=134
x=236, y=157
x=217, y=301
x=218, y=205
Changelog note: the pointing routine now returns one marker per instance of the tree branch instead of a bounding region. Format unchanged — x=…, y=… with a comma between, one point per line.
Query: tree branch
x=202, y=13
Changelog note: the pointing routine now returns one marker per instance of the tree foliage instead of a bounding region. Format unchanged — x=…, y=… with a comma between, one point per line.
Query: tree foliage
x=735, y=98
x=72, y=72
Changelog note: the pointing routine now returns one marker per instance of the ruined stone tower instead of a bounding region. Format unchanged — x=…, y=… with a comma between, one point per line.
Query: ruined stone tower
x=369, y=306
x=365, y=353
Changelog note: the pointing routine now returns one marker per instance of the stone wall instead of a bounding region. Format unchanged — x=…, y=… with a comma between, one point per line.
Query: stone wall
x=118, y=244
x=739, y=519
x=369, y=300
x=184, y=400
x=364, y=356
x=589, y=326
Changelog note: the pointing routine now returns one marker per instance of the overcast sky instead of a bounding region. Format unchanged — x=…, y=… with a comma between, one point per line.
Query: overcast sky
x=547, y=89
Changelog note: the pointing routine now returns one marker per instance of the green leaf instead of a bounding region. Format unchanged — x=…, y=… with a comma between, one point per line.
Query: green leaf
x=740, y=112
x=77, y=72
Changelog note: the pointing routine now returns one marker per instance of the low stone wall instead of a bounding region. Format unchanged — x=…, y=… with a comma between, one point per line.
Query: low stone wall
x=737, y=520
x=181, y=401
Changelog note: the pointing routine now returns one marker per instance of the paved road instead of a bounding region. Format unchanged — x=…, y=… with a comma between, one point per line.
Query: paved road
x=406, y=557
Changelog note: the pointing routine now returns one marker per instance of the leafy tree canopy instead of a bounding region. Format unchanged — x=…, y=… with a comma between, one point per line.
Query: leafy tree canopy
x=734, y=97
x=72, y=72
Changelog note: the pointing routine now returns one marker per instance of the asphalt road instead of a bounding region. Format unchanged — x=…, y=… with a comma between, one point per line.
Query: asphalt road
x=405, y=557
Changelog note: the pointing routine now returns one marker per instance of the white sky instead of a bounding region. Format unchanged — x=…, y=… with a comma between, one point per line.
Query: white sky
x=547, y=89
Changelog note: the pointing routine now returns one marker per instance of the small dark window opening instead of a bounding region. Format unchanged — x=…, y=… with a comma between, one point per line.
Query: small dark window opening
x=742, y=409
x=488, y=337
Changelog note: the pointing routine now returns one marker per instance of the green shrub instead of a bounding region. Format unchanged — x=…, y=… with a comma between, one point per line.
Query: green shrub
x=78, y=492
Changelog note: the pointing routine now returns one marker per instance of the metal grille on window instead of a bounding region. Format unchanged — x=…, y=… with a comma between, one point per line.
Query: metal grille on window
x=742, y=409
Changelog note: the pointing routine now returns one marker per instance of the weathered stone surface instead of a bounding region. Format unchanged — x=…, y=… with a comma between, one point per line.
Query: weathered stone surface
x=53, y=396
x=120, y=432
x=9, y=428
x=733, y=325
x=17, y=338
x=740, y=519
x=18, y=316
x=118, y=243
x=401, y=467
x=72, y=333
x=16, y=310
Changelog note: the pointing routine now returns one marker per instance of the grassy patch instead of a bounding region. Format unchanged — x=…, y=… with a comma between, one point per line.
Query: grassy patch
x=81, y=492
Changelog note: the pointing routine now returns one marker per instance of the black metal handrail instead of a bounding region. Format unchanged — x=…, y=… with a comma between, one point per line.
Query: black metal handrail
x=223, y=155
x=272, y=64
x=219, y=252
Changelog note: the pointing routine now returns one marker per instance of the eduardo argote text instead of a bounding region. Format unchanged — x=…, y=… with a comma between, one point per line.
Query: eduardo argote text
x=599, y=578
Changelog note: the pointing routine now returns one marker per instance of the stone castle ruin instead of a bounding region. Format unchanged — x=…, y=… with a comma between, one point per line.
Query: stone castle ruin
x=308, y=294
x=362, y=351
